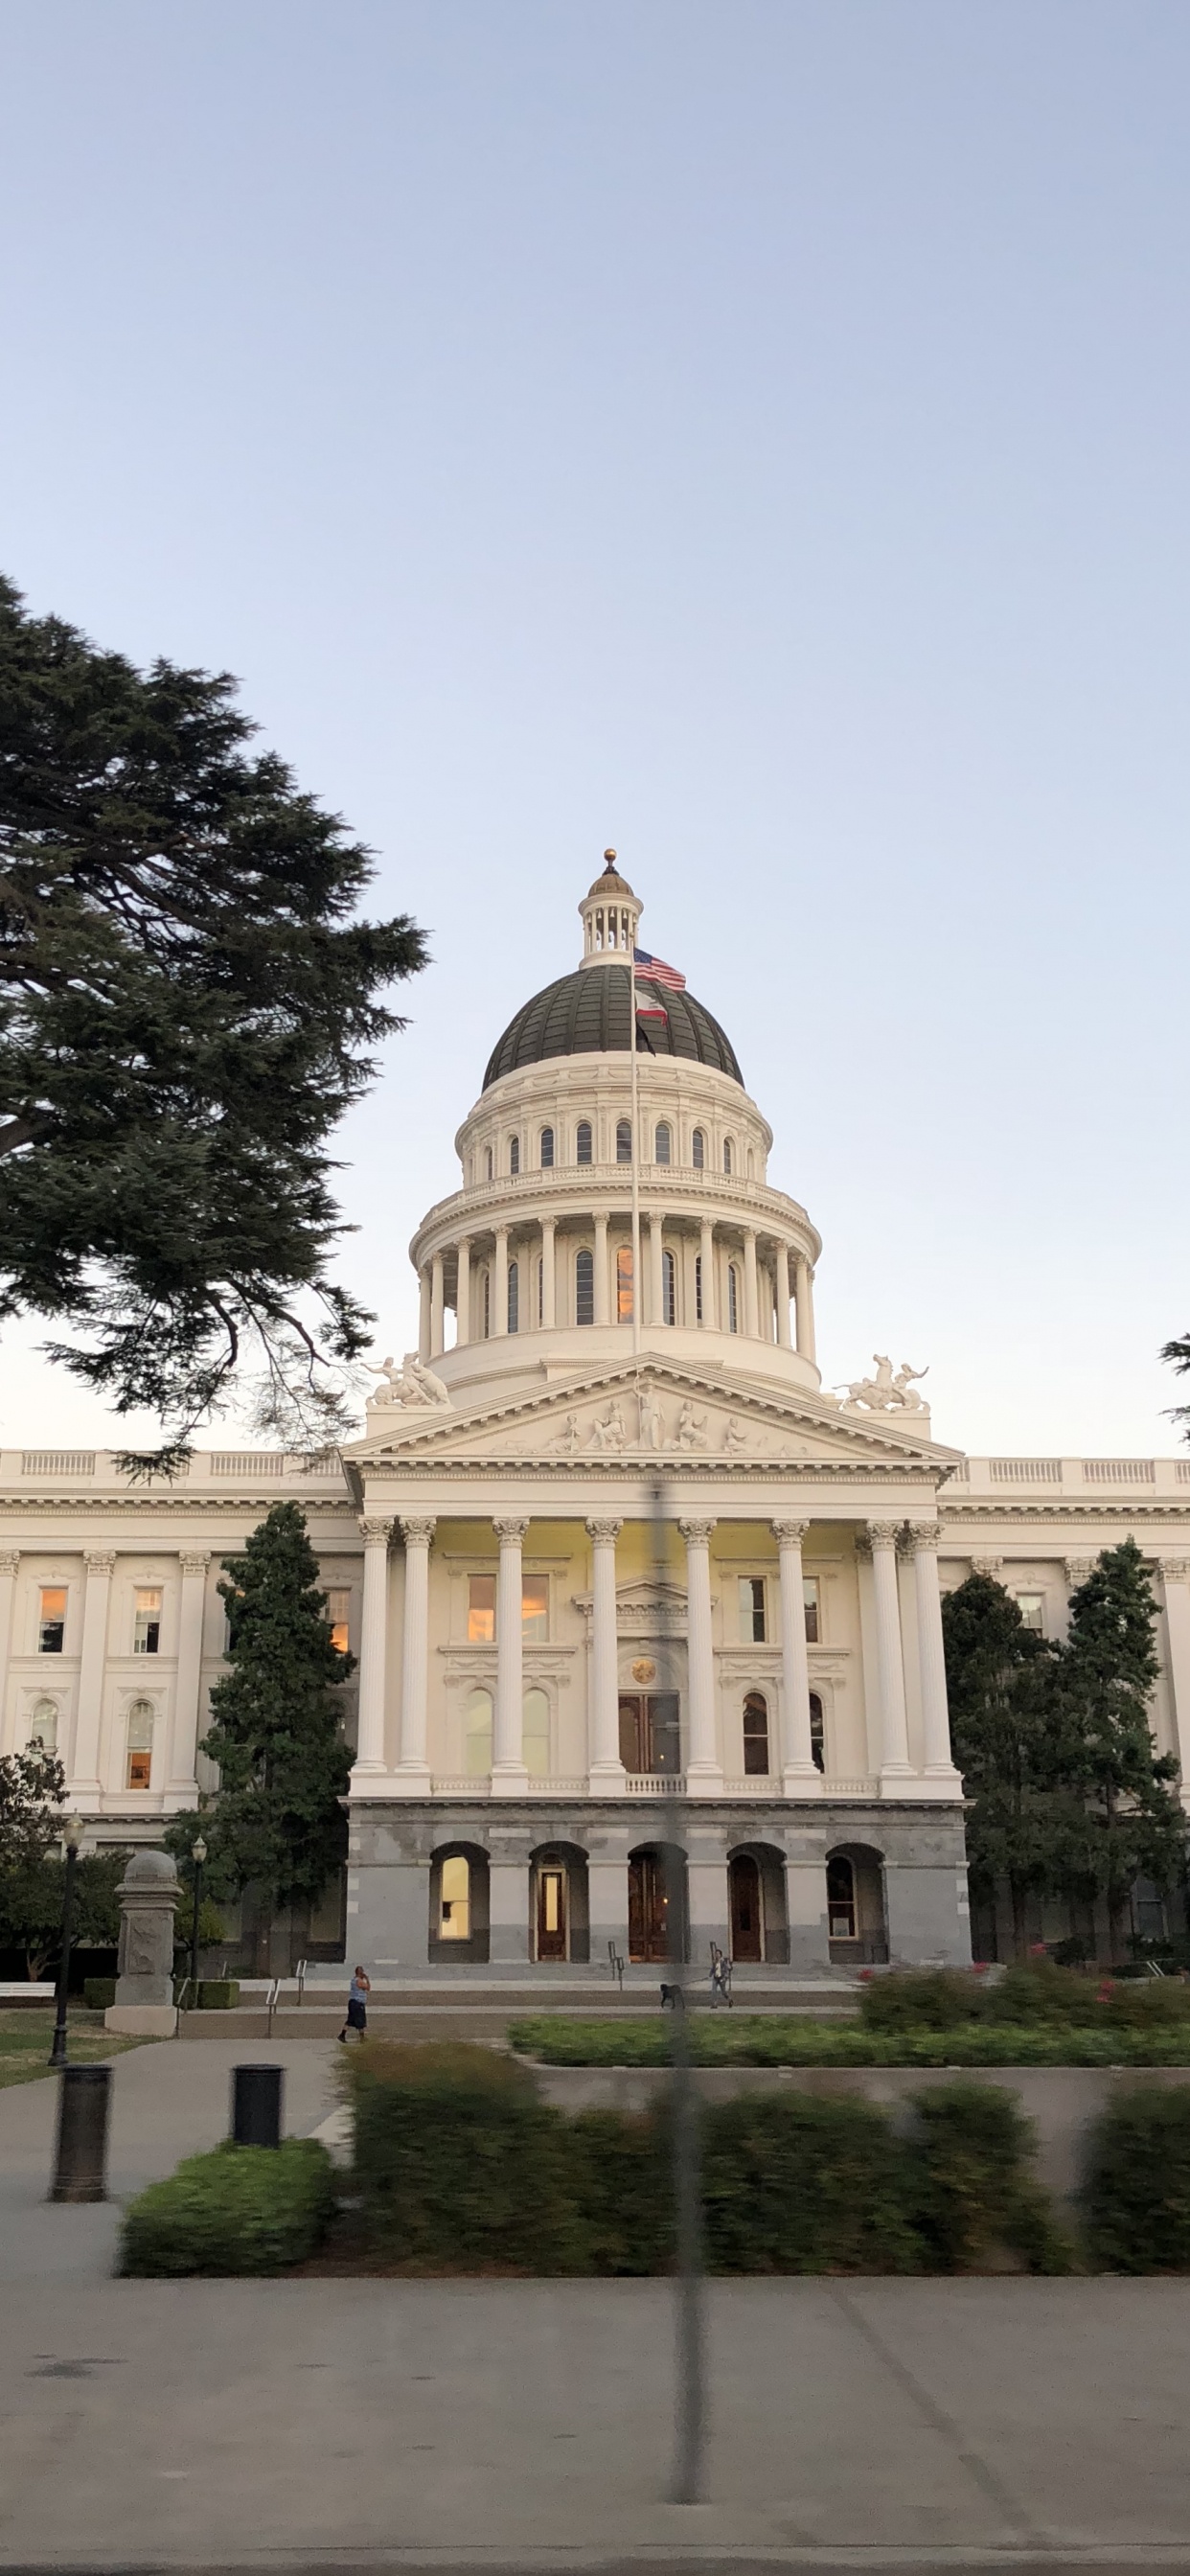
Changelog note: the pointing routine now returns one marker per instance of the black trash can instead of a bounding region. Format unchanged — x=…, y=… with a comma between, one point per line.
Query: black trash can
x=80, y=2157
x=256, y=2105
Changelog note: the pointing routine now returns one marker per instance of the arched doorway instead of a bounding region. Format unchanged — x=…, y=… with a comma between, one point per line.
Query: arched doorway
x=657, y=1929
x=561, y=1926
x=756, y=1906
x=857, y=1924
x=459, y=1903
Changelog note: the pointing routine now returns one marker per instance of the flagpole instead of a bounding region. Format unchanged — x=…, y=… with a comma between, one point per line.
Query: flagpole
x=632, y=1042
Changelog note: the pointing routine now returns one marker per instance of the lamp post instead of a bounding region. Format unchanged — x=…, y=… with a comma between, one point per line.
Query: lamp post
x=198, y=1853
x=72, y=1835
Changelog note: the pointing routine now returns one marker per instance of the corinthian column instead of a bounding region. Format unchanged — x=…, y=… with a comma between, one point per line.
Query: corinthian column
x=803, y=1281
x=463, y=1293
x=100, y=1565
x=10, y=1558
x=413, y=1767
x=182, y=1784
x=802, y=1778
x=890, y=1669
x=704, y=1771
x=606, y=1771
x=931, y=1655
x=373, y=1648
x=1175, y=1584
x=751, y=1286
x=509, y=1775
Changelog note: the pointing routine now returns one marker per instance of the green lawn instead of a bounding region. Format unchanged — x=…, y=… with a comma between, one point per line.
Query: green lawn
x=25, y=2038
x=742, y=2039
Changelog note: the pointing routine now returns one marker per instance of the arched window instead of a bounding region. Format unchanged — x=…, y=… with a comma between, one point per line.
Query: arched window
x=623, y=1140
x=698, y=1149
x=661, y=1143
x=491, y=1164
x=477, y=1736
x=584, y=1288
x=140, y=1744
x=756, y=1734
x=514, y=1153
x=583, y=1153
x=817, y=1733
x=535, y=1734
x=455, y=1917
x=840, y=1898
x=733, y=1298
x=43, y=1725
x=624, y=1284
x=514, y=1296
x=547, y=1149
x=727, y=1153
x=669, y=1288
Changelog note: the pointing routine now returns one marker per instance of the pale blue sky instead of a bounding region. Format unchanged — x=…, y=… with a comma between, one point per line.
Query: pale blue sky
x=750, y=432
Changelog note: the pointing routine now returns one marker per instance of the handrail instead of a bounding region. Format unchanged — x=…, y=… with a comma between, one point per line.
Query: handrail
x=274, y=1992
x=301, y=1981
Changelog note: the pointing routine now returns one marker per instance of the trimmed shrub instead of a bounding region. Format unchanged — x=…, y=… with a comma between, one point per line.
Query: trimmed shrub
x=738, y=2039
x=98, y=1993
x=239, y=2209
x=459, y=2166
x=620, y=2174
x=793, y=2183
x=923, y=1999
x=1136, y=2190
x=973, y=2194
x=218, y=1994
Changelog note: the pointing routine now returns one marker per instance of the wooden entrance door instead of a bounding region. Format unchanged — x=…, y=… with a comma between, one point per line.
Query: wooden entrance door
x=648, y=1907
x=747, y=1928
x=551, y=1912
x=650, y=1732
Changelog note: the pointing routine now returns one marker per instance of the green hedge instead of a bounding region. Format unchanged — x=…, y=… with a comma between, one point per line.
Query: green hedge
x=1035, y=1992
x=98, y=1993
x=738, y=2039
x=239, y=2209
x=972, y=2190
x=1136, y=2191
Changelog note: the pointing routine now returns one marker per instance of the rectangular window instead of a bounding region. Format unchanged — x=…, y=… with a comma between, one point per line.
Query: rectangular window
x=481, y=1609
x=1032, y=1609
x=813, y=1614
x=751, y=1595
x=51, y=1631
x=756, y=1736
x=535, y=1605
x=140, y=1745
x=338, y=1611
x=146, y=1631
x=624, y=1283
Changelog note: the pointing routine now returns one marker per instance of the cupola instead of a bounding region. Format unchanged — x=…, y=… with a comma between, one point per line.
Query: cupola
x=610, y=916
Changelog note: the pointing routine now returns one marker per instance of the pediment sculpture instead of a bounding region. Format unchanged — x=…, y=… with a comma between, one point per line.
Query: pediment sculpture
x=412, y=1386
x=886, y=1392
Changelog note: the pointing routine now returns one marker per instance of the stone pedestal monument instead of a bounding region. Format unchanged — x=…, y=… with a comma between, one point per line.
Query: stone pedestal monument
x=144, y=2005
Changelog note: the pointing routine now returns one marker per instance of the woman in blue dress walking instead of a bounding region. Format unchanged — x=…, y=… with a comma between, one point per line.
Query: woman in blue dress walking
x=357, y=2005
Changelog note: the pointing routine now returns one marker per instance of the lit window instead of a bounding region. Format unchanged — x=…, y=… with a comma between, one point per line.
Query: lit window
x=1032, y=1609
x=669, y=1288
x=51, y=1630
x=514, y=1296
x=43, y=1726
x=817, y=1733
x=514, y=1153
x=661, y=1144
x=146, y=1633
x=535, y=1605
x=751, y=1593
x=455, y=1917
x=623, y=1140
x=840, y=1898
x=535, y=1734
x=547, y=1149
x=583, y=1153
x=477, y=1734
x=624, y=1283
x=140, y=1744
x=698, y=1149
x=584, y=1288
x=338, y=1610
x=756, y=1734
x=727, y=1153
x=733, y=1298
x=813, y=1610
x=481, y=1609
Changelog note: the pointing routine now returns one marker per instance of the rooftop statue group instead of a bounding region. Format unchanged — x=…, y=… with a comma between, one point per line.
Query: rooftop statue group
x=886, y=1393
x=412, y=1386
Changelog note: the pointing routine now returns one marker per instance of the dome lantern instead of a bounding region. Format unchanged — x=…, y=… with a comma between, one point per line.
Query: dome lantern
x=610, y=916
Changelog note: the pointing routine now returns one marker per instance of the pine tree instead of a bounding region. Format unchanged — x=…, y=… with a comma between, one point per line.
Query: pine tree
x=277, y=1822
x=1001, y=1682
x=1132, y=1826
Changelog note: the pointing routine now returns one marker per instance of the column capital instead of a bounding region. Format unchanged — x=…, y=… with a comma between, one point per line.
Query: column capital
x=696, y=1533
x=511, y=1533
x=373, y=1530
x=603, y=1533
x=10, y=1558
x=922, y=1538
x=789, y=1533
x=418, y=1532
x=884, y=1534
x=1173, y=1569
x=100, y=1560
x=194, y=1560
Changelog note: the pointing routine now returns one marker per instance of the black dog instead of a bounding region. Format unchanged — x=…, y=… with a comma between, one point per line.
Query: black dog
x=674, y=1997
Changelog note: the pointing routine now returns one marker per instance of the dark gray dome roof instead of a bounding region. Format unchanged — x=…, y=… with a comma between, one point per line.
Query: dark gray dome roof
x=587, y=1012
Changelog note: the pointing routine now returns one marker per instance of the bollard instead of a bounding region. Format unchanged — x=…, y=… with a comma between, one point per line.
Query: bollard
x=256, y=2106
x=80, y=2160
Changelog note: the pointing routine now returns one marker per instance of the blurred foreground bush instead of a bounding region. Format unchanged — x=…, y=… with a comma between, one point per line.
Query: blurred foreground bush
x=239, y=2209
x=1136, y=2194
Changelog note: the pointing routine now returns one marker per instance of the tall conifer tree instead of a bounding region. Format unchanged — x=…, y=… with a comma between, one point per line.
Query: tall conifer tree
x=1132, y=1827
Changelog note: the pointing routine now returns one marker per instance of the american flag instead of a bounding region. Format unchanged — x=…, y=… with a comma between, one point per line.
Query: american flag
x=655, y=971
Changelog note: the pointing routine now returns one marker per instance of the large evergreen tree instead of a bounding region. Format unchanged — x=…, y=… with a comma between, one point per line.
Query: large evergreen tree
x=277, y=1823
x=187, y=1005
x=1132, y=1826
x=1001, y=1682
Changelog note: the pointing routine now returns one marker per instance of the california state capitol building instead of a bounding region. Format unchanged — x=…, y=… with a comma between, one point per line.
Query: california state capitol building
x=608, y=1553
